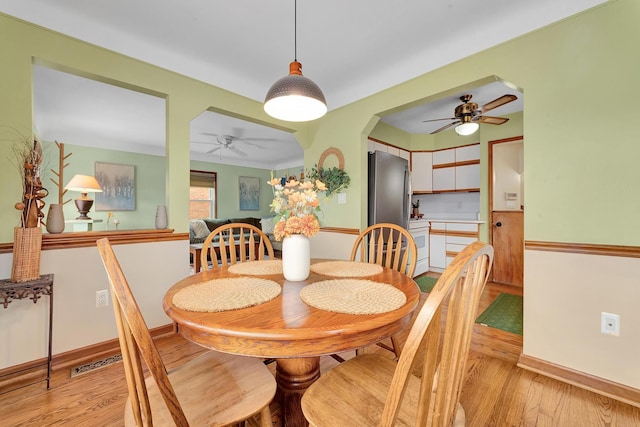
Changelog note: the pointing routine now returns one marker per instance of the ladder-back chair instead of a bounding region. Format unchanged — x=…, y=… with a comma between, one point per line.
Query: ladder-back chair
x=391, y=246
x=234, y=243
x=212, y=389
x=373, y=390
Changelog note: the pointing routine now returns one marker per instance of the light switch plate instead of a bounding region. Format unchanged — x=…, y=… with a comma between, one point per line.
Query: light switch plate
x=342, y=198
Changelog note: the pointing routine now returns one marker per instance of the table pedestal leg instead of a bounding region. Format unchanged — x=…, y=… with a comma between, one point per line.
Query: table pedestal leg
x=294, y=376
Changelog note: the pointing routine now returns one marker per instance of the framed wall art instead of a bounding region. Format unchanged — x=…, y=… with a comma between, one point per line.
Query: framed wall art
x=249, y=190
x=118, y=184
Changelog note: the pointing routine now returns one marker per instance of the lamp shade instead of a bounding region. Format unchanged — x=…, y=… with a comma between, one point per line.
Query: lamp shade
x=84, y=184
x=467, y=128
x=295, y=98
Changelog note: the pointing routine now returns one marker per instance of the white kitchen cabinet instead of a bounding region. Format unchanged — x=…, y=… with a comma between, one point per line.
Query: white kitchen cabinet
x=462, y=170
x=396, y=151
x=468, y=152
x=467, y=177
x=441, y=157
x=421, y=171
x=393, y=150
x=380, y=147
x=447, y=239
x=437, y=250
x=444, y=179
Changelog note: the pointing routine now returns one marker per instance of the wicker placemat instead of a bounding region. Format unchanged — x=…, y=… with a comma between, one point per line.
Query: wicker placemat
x=226, y=294
x=346, y=269
x=353, y=296
x=257, y=268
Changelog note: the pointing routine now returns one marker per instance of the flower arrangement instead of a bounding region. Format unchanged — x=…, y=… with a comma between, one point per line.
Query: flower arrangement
x=296, y=207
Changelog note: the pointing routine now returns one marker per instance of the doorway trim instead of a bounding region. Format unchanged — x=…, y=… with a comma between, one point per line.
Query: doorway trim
x=491, y=144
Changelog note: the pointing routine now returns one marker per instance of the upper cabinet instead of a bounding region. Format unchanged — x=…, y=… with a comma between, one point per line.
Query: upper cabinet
x=457, y=169
x=453, y=169
x=449, y=170
x=391, y=149
x=421, y=171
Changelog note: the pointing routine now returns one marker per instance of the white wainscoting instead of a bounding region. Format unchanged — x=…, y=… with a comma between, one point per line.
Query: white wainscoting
x=564, y=296
x=150, y=268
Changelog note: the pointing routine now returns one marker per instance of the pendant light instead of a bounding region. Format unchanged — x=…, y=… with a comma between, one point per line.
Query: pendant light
x=295, y=98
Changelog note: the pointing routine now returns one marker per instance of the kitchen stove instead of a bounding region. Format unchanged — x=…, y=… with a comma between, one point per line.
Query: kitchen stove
x=419, y=229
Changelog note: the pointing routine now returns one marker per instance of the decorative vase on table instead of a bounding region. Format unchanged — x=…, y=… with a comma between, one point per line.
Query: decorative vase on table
x=27, y=243
x=296, y=257
x=296, y=206
x=161, y=217
x=55, y=219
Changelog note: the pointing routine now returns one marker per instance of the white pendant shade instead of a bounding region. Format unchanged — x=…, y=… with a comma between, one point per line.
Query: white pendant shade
x=467, y=128
x=295, y=98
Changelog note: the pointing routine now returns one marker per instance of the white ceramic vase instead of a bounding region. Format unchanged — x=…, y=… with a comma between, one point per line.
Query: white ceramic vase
x=55, y=219
x=296, y=257
x=161, y=217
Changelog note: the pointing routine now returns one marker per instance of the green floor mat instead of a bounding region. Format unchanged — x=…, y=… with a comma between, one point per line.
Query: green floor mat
x=504, y=313
x=426, y=283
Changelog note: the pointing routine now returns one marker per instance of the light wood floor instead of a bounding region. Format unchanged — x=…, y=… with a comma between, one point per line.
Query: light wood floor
x=496, y=392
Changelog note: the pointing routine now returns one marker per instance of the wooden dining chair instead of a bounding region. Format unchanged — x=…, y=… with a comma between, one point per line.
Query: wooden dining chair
x=233, y=243
x=391, y=246
x=388, y=245
x=212, y=389
x=377, y=391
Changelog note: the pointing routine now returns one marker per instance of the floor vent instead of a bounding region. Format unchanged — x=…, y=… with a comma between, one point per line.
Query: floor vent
x=88, y=367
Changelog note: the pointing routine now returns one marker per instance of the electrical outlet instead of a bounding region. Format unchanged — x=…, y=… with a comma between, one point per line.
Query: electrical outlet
x=610, y=323
x=102, y=298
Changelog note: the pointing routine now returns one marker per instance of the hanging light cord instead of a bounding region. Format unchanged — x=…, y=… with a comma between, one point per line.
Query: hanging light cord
x=295, y=30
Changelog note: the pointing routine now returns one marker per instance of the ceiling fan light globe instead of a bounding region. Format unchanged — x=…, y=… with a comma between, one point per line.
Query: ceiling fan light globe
x=295, y=98
x=468, y=128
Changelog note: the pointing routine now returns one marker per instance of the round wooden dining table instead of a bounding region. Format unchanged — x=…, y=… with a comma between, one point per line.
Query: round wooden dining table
x=289, y=330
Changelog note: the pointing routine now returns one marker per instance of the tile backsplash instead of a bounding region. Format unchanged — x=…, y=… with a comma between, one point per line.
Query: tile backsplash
x=449, y=205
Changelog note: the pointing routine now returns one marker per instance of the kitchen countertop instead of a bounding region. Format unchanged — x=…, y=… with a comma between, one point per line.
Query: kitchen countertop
x=468, y=221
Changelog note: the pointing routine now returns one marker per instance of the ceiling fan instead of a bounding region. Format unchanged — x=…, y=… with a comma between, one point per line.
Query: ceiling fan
x=468, y=112
x=225, y=142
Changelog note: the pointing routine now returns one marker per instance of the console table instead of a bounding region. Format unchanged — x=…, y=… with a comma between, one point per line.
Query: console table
x=33, y=289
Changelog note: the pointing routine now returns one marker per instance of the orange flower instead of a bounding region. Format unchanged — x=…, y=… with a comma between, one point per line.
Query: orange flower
x=296, y=206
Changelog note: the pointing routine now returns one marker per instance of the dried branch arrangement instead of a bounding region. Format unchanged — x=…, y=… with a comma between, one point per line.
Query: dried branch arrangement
x=29, y=154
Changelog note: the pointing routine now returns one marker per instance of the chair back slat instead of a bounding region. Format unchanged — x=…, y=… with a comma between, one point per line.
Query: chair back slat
x=233, y=243
x=137, y=345
x=451, y=304
x=388, y=245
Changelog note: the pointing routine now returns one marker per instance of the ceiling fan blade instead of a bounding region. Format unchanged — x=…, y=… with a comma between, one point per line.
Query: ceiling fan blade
x=213, y=150
x=238, y=152
x=446, y=127
x=504, y=99
x=205, y=143
x=437, y=120
x=493, y=120
x=251, y=143
x=212, y=134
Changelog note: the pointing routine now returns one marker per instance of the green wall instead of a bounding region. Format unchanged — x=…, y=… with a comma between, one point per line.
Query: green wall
x=149, y=178
x=580, y=145
x=227, y=188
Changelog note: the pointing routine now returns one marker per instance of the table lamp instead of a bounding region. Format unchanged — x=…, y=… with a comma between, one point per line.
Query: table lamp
x=84, y=184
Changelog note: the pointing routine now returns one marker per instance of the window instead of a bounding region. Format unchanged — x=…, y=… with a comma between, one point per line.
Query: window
x=202, y=195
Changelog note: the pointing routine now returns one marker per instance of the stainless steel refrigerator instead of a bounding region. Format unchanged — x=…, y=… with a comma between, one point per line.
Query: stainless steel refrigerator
x=389, y=189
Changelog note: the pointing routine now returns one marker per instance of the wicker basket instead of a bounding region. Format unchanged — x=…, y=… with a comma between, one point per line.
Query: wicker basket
x=27, y=243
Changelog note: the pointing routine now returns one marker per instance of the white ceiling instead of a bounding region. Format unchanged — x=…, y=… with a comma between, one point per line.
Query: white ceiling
x=351, y=49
